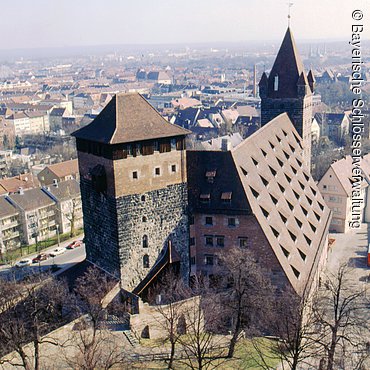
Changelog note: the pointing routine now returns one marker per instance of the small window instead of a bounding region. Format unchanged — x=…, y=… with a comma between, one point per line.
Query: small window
x=209, y=241
x=143, y=198
x=173, y=168
x=304, y=211
x=146, y=261
x=294, y=237
x=231, y=222
x=283, y=218
x=226, y=197
x=220, y=241
x=144, y=219
x=254, y=162
x=273, y=199
x=296, y=194
x=192, y=241
x=265, y=213
x=276, y=83
x=265, y=182
x=208, y=259
x=192, y=260
x=299, y=223
x=145, y=241
x=243, y=242
x=287, y=156
x=292, y=148
x=281, y=164
x=303, y=256
x=209, y=220
x=312, y=227
x=263, y=153
x=157, y=171
x=191, y=220
x=286, y=252
x=275, y=232
x=282, y=189
x=306, y=176
x=308, y=240
x=135, y=175
x=205, y=198
x=296, y=272
x=288, y=178
x=272, y=171
x=294, y=170
x=254, y=192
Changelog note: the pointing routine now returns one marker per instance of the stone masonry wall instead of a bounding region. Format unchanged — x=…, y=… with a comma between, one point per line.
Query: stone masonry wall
x=100, y=225
x=161, y=215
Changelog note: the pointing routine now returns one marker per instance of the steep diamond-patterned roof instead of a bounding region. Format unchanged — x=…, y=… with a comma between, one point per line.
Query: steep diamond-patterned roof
x=284, y=197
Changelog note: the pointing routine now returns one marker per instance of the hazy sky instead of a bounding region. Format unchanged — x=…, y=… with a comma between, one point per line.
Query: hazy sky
x=45, y=23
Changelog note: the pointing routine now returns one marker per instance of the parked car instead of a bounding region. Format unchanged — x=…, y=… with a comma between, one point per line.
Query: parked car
x=40, y=257
x=23, y=263
x=56, y=252
x=74, y=244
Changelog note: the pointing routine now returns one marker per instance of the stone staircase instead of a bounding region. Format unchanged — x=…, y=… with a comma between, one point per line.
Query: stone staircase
x=130, y=338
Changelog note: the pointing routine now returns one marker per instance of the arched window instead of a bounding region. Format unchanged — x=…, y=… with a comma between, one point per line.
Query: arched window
x=143, y=198
x=146, y=261
x=144, y=219
x=145, y=241
x=276, y=83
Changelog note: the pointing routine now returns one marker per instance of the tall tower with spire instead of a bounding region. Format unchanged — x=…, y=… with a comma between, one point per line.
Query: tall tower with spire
x=288, y=89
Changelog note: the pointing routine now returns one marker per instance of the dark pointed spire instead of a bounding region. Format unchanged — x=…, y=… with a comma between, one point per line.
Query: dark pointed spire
x=311, y=80
x=288, y=67
x=302, y=80
x=263, y=85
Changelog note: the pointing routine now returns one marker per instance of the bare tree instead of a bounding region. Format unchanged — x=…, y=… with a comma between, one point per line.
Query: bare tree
x=168, y=297
x=340, y=311
x=245, y=294
x=92, y=345
x=203, y=320
x=28, y=313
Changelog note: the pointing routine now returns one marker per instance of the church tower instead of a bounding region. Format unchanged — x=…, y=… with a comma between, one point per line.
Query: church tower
x=134, y=192
x=289, y=90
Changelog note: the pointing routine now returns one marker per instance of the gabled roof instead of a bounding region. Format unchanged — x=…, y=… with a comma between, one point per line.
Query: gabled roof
x=65, y=168
x=31, y=199
x=6, y=209
x=126, y=118
x=64, y=190
x=12, y=184
x=284, y=197
x=288, y=67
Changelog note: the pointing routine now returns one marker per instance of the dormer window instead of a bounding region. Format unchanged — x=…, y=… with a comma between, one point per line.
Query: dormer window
x=210, y=175
x=205, y=198
x=226, y=197
x=276, y=83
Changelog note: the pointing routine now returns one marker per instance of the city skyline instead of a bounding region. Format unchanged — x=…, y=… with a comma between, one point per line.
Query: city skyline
x=42, y=24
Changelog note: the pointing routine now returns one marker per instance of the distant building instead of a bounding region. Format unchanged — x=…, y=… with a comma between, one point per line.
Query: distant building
x=13, y=184
x=315, y=132
x=82, y=100
x=226, y=142
x=37, y=214
x=62, y=171
x=67, y=197
x=333, y=125
x=336, y=188
x=10, y=235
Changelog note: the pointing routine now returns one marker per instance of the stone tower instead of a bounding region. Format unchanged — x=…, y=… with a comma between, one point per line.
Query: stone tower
x=134, y=191
x=288, y=89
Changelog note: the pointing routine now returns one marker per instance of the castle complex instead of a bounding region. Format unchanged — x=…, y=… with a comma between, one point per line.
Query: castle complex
x=149, y=204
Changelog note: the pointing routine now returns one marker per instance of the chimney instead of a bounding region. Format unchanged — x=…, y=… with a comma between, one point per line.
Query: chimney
x=225, y=145
x=55, y=183
x=20, y=190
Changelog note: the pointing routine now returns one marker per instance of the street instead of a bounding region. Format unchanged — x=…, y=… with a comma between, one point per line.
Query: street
x=64, y=261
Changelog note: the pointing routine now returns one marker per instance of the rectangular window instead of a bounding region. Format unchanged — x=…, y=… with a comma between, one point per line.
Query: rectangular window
x=208, y=259
x=231, y=222
x=165, y=146
x=243, y=242
x=135, y=175
x=220, y=241
x=209, y=240
x=192, y=241
x=209, y=220
x=173, y=168
x=157, y=171
x=192, y=260
x=191, y=220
